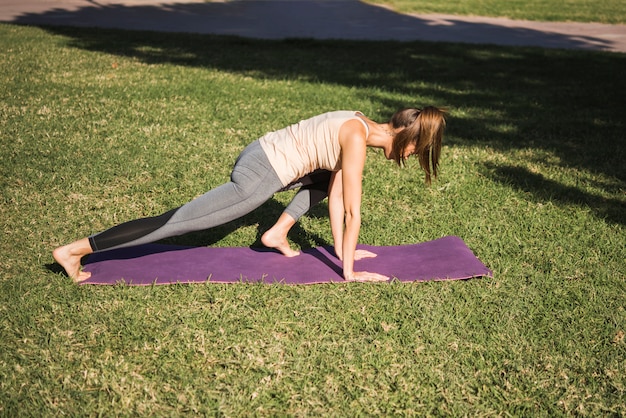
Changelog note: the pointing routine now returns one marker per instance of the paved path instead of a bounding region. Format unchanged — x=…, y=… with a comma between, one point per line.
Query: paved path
x=320, y=19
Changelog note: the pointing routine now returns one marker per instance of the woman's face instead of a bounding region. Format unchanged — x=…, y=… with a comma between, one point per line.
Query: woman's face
x=408, y=151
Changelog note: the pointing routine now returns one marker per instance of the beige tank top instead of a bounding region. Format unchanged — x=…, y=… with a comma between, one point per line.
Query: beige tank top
x=308, y=145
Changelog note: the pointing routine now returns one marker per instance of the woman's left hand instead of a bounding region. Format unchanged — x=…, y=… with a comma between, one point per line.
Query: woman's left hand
x=366, y=276
x=361, y=254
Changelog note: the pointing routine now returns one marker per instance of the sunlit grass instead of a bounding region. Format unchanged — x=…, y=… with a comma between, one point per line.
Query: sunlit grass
x=609, y=11
x=98, y=127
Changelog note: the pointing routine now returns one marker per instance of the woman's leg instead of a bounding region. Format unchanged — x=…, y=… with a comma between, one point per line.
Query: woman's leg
x=314, y=189
x=253, y=181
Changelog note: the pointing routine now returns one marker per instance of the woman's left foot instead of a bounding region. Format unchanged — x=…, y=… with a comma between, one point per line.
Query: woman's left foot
x=70, y=263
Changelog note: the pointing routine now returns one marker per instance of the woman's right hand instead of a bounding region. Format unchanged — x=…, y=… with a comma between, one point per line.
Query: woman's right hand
x=365, y=276
x=361, y=254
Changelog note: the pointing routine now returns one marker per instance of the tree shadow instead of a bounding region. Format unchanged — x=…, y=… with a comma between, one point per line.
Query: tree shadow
x=566, y=104
x=546, y=190
x=279, y=19
x=569, y=103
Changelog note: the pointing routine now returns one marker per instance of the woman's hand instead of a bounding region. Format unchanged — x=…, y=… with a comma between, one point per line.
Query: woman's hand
x=361, y=254
x=365, y=276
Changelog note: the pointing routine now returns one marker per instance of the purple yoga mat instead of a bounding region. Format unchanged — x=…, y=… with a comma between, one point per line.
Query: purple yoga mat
x=446, y=258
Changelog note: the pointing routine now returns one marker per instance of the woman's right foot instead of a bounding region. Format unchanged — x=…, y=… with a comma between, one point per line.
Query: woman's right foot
x=278, y=241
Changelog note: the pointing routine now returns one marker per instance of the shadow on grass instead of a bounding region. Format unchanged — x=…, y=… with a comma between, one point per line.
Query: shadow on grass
x=279, y=19
x=569, y=105
x=542, y=189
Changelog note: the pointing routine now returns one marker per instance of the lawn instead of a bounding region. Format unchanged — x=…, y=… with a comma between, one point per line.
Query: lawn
x=102, y=126
x=607, y=11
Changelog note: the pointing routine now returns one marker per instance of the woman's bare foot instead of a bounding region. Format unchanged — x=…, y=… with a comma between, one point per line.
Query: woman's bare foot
x=272, y=240
x=69, y=256
x=276, y=236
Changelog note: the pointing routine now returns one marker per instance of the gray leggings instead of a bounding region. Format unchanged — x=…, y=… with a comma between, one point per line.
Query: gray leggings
x=253, y=181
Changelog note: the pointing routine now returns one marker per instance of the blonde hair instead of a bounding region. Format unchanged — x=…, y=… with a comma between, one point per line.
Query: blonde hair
x=423, y=128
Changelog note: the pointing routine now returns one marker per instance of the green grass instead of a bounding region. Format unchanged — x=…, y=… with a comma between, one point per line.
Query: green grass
x=608, y=11
x=98, y=127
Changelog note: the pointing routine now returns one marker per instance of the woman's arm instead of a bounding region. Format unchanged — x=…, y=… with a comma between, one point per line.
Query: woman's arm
x=353, y=151
x=353, y=159
x=336, y=211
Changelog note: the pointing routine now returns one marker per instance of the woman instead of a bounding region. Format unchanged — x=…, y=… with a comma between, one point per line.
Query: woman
x=324, y=156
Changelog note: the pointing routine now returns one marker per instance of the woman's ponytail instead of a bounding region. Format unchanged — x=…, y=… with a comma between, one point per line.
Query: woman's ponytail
x=424, y=128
